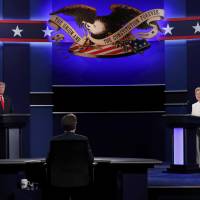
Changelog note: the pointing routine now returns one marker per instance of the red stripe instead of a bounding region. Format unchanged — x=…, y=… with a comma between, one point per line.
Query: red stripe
x=102, y=50
x=183, y=19
x=115, y=52
x=22, y=40
x=43, y=22
x=179, y=37
x=74, y=48
x=75, y=45
x=86, y=49
x=22, y=22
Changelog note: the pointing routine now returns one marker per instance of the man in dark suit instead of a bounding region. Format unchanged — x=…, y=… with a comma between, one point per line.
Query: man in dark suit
x=5, y=102
x=68, y=160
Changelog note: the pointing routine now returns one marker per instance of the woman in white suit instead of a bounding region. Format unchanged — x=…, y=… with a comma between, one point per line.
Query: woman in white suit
x=196, y=106
x=196, y=112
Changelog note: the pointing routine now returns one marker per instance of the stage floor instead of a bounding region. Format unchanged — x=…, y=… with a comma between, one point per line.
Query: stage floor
x=159, y=176
x=172, y=186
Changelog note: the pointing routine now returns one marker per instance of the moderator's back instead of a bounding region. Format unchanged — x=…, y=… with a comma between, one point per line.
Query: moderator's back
x=69, y=163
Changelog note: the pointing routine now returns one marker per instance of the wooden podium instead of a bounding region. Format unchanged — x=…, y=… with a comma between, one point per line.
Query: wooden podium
x=183, y=129
x=11, y=135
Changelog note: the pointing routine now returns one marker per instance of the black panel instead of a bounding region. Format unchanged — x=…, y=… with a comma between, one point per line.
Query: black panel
x=193, y=68
x=176, y=96
x=108, y=98
x=193, y=8
x=41, y=99
x=16, y=9
x=16, y=74
x=122, y=134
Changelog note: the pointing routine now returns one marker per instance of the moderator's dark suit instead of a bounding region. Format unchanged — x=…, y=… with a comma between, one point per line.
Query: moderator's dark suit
x=68, y=159
x=7, y=106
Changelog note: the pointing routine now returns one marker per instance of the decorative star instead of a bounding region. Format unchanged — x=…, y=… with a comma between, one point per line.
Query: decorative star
x=168, y=30
x=197, y=28
x=47, y=32
x=17, y=31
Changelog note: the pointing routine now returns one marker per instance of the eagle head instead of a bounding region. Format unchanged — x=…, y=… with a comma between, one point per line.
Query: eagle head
x=98, y=27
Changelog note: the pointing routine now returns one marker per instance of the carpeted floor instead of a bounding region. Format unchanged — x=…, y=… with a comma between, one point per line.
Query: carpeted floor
x=172, y=186
x=159, y=176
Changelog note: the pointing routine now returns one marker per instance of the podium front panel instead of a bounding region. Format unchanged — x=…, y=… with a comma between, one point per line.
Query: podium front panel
x=184, y=131
x=11, y=135
x=178, y=146
x=14, y=143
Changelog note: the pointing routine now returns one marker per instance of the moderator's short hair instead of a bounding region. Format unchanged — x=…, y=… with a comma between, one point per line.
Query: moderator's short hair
x=197, y=89
x=69, y=122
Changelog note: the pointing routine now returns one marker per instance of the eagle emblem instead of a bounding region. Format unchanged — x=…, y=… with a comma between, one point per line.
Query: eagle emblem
x=110, y=35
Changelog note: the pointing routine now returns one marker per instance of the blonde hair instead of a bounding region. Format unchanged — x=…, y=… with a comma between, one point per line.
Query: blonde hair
x=197, y=89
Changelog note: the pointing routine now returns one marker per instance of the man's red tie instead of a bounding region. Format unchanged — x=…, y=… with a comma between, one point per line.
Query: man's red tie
x=2, y=101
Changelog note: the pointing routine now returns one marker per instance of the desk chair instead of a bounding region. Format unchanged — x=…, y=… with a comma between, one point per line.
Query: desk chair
x=69, y=167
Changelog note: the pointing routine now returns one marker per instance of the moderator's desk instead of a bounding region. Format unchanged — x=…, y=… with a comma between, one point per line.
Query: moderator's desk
x=122, y=178
x=114, y=178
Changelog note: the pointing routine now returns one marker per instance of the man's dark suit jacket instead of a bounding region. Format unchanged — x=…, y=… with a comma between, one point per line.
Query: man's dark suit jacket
x=68, y=159
x=7, y=106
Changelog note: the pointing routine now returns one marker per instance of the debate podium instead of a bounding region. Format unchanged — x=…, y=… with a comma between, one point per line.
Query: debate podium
x=11, y=135
x=183, y=129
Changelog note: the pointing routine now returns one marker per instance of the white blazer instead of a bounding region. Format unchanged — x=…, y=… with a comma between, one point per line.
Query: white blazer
x=196, y=109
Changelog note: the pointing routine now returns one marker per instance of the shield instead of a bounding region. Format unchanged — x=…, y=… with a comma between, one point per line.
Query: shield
x=122, y=48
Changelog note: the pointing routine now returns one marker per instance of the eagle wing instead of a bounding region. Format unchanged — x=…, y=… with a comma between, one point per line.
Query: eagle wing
x=121, y=14
x=80, y=12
